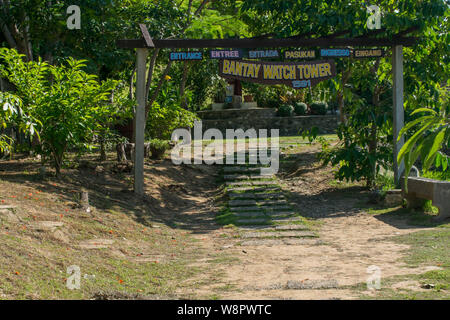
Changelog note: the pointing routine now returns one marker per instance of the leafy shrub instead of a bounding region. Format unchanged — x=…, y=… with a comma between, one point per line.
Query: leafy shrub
x=300, y=108
x=228, y=105
x=432, y=135
x=319, y=108
x=285, y=110
x=365, y=144
x=68, y=104
x=158, y=148
x=166, y=114
x=333, y=106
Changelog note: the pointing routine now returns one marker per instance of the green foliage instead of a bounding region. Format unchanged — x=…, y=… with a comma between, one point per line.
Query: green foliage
x=311, y=134
x=365, y=140
x=218, y=89
x=158, y=148
x=285, y=110
x=11, y=114
x=385, y=181
x=166, y=114
x=443, y=175
x=264, y=96
x=67, y=103
x=300, y=108
x=319, y=108
x=431, y=135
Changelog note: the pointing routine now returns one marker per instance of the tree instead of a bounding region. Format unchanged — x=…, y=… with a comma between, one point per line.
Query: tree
x=68, y=103
x=11, y=114
x=366, y=136
x=431, y=135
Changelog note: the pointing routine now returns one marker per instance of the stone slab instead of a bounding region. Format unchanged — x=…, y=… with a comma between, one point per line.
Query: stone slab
x=96, y=243
x=259, y=208
x=253, y=195
x=280, y=234
x=46, y=225
x=252, y=183
x=255, y=202
x=252, y=189
x=286, y=241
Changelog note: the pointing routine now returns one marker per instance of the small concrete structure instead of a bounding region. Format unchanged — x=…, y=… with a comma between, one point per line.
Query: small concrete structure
x=422, y=189
x=393, y=198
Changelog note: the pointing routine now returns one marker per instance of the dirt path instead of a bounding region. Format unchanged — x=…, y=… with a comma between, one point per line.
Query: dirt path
x=311, y=271
x=350, y=240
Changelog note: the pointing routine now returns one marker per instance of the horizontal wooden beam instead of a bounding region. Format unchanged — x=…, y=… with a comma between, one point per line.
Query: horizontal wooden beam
x=267, y=43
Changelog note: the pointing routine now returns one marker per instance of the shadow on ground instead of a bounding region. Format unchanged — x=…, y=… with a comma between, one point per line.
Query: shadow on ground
x=178, y=196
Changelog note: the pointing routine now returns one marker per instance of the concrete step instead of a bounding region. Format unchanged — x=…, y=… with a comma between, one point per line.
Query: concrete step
x=46, y=225
x=228, y=169
x=261, y=208
x=253, y=195
x=259, y=214
x=286, y=227
x=282, y=241
x=253, y=189
x=252, y=221
x=281, y=234
x=285, y=219
x=252, y=183
x=238, y=202
x=246, y=176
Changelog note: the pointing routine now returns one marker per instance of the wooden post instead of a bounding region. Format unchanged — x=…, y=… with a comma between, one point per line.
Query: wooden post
x=398, y=110
x=139, y=119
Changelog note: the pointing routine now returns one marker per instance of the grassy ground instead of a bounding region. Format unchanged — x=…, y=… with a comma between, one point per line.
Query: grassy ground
x=428, y=247
x=146, y=256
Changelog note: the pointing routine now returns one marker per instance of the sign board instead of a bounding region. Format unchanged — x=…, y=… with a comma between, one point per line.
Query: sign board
x=368, y=53
x=256, y=54
x=181, y=56
x=335, y=52
x=299, y=54
x=226, y=54
x=294, y=74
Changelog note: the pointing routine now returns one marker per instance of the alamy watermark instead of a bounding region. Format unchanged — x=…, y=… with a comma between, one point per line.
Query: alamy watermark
x=74, y=20
x=374, y=278
x=262, y=149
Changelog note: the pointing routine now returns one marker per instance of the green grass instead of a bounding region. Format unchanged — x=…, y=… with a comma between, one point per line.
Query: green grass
x=283, y=139
x=438, y=175
x=427, y=248
x=424, y=218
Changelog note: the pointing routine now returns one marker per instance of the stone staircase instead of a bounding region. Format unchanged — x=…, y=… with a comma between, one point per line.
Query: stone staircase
x=257, y=205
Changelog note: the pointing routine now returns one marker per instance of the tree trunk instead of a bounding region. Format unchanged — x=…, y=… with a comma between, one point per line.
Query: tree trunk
x=121, y=155
x=102, y=150
x=183, y=85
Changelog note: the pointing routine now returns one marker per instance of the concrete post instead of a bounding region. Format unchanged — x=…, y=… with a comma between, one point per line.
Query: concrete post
x=398, y=109
x=139, y=119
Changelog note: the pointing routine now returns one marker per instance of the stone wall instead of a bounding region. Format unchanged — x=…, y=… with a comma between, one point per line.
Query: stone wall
x=266, y=119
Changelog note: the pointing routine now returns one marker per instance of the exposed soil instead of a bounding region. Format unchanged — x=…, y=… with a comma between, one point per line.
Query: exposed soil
x=175, y=223
x=351, y=240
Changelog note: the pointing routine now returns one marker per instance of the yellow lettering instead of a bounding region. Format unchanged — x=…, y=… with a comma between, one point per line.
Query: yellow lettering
x=226, y=66
x=257, y=70
x=300, y=69
x=250, y=72
x=238, y=68
x=286, y=73
x=314, y=70
x=292, y=72
x=321, y=70
x=268, y=71
x=232, y=67
x=307, y=71
x=327, y=69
